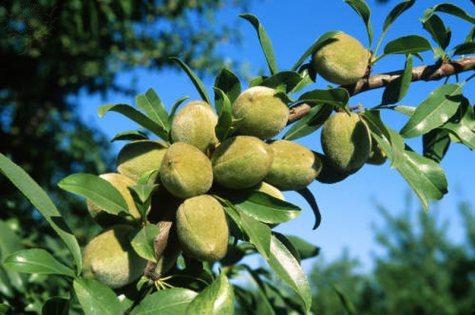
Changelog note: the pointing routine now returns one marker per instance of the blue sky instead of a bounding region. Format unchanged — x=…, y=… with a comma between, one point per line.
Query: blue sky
x=348, y=208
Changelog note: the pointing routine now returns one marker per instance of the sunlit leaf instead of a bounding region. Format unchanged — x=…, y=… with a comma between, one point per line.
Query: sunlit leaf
x=399, y=9
x=397, y=89
x=434, y=111
x=36, y=261
x=216, y=299
x=309, y=123
x=40, y=200
x=194, y=79
x=152, y=105
x=264, y=41
x=130, y=136
x=229, y=83
x=166, y=302
x=409, y=44
x=436, y=27
x=96, y=298
x=98, y=190
x=364, y=11
x=144, y=242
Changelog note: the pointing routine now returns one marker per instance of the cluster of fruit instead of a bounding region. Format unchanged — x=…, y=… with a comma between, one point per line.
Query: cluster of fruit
x=196, y=165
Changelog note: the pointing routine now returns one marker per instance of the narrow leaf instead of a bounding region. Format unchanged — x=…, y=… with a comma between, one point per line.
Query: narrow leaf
x=259, y=234
x=409, y=44
x=288, y=269
x=98, y=190
x=310, y=123
x=143, y=191
x=288, y=244
x=166, y=302
x=319, y=43
x=264, y=41
x=289, y=79
x=136, y=116
x=144, y=242
x=455, y=11
x=305, y=249
x=397, y=89
x=40, y=200
x=436, y=27
x=130, y=136
x=308, y=196
x=435, y=144
x=345, y=302
x=338, y=97
x=365, y=13
x=36, y=261
x=399, y=9
x=464, y=49
x=216, y=299
x=96, y=298
x=434, y=111
x=229, y=83
x=152, y=105
x=195, y=79
x=10, y=242
x=174, y=109
x=225, y=120
x=263, y=207
x=464, y=128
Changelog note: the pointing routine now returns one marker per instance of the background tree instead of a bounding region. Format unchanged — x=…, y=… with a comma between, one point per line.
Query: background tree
x=51, y=52
x=420, y=270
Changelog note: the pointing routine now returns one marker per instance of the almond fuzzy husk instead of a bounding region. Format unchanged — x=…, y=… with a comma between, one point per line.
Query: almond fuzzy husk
x=260, y=113
x=110, y=259
x=241, y=162
x=195, y=124
x=202, y=228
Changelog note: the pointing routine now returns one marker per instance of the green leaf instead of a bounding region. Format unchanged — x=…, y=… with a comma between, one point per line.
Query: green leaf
x=464, y=129
x=216, y=299
x=434, y=111
x=305, y=249
x=288, y=244
x=435, y=144
x=425, y=176
x=10, y=243
x=225, y=120
x=470, y=36
x=165, y=302
x=454, y=10
x=319, y=43
x=397, y=89
x=309, y=123
x=229, y=83
x=174, y=109
x=308, y=196
x=130, y=136
x=98, y=190
x=399, y=9
x=40, y=200
x=136, y=116
x=264, y=40
x=289, y=79
x=195, y=79
x=464, y=49
x=5, y=309
x=96, y=298
x=409, y=44
x=288, y=269
x=436, y=27
x=261, y=290
x=152, y=105
x=6, y=288
x=36, y=261
x=143, y=192
x=263, y=207
x=56, y=306
x=345, y=302
x=306, y=79
x=144, y=242
x=259, y=233
x=363, y=10
x=144, y=179
x=338, y=97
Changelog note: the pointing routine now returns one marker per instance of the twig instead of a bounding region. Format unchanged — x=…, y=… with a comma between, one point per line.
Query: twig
x=422, y=73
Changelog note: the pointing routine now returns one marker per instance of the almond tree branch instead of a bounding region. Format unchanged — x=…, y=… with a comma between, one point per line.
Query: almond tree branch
x=422, y=73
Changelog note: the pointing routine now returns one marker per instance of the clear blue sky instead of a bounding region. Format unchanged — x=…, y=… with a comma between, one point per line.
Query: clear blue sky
x=348, y=208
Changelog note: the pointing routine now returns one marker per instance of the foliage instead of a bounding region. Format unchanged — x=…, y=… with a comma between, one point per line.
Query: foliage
x=204, y=286
x=420, y=270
